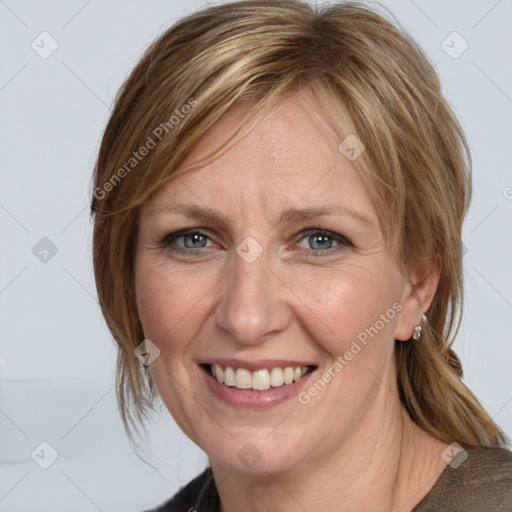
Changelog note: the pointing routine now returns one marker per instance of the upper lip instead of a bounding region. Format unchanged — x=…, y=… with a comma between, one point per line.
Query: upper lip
x=258, y=364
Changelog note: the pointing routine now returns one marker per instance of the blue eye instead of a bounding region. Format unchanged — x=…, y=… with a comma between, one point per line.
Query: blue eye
x=321, y=242
x=194, y=240
x=191, y=239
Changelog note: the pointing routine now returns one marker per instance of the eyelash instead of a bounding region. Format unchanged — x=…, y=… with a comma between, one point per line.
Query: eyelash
x=343, y=242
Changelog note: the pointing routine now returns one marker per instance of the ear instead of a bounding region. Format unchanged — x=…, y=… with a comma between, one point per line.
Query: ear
x=417, y=297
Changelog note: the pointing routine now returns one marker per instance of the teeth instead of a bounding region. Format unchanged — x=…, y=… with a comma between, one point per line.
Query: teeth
x=288, y=375
x=218, y=373
x=276, y=377
x=229, y=376
x=243, y=379
x=259, y=380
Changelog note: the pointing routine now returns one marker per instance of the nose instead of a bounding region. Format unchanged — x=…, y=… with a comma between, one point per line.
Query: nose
x=253, y=303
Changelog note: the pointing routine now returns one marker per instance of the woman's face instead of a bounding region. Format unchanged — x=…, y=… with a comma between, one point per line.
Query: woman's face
x=288, y=269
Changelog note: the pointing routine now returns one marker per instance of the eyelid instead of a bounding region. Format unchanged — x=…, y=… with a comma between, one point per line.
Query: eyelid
x=167, y=239
x=336, y=236
x=342, y=243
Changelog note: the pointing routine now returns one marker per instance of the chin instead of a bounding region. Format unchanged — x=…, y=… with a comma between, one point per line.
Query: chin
x=255, y=455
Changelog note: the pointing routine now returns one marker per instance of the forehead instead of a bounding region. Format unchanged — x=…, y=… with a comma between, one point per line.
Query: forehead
x=291, y=131
x=290, y=156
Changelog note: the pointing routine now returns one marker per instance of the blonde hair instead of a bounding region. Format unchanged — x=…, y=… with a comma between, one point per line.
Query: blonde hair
x=375, y=82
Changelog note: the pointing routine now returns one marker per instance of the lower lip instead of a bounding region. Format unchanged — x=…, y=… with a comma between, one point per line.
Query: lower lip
x=252, y=399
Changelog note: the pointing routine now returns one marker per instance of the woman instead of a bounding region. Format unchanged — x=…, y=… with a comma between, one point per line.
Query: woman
x=278, y=202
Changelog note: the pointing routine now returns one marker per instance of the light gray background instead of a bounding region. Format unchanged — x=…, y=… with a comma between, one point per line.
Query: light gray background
x=57, y=357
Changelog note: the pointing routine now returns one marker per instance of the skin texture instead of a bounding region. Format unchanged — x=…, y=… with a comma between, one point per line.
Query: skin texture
x=352, y=447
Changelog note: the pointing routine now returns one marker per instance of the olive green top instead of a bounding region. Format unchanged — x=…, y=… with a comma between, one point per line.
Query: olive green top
x=482, y=482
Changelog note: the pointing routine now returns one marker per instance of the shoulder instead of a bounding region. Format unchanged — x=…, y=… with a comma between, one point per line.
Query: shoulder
x=199, y=495
x=480, y=481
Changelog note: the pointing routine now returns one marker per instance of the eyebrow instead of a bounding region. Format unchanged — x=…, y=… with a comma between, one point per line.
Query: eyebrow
x=295, y=214
x=292, y=214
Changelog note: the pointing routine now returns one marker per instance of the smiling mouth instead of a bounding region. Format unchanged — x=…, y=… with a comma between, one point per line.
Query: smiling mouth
x=258, y=380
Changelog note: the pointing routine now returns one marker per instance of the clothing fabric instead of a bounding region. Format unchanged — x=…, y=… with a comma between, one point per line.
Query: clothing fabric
x=480, y=483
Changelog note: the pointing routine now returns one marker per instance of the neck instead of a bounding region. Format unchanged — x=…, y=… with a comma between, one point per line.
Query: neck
x=387, y=464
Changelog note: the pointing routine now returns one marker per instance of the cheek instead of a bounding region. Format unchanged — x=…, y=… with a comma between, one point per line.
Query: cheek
x=353, y=304
x=169, y=304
